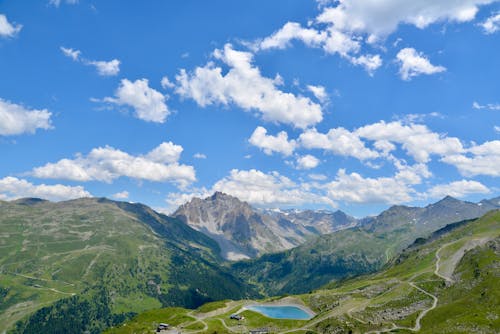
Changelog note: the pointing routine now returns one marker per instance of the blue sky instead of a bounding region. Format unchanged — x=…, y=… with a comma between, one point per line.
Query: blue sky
x=307, y=104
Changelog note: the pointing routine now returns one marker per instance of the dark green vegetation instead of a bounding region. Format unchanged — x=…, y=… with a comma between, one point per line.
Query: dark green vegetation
x=444, y=283
x=101, y=261
x=351, y=252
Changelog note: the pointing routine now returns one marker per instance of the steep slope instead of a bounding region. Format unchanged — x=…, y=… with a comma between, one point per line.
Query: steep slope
x=244, y=232
x=446, y=283
x=79, y=249
x=317, y=221
x=353, y=251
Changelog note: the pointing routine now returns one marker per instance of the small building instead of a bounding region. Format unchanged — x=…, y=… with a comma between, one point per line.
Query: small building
x=236, y=316
x=162, y=327
x=263, y=330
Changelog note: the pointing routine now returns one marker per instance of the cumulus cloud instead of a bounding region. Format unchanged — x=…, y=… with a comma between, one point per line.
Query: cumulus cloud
x=413, y=63
x=13, y=188
x=457, y=189
x=107, y=164
x=121, y=195
x=292, y=31
x=307, y=162
x=270, y=144
x=244, y=86
x=104, y=68
x=258, y=188
x=370, y=62
x=148, y=104
x=338, y=141
x=331, y=40
x=15, y=119
x=8, y=29
x=166, y=83
x=416, y=139
x=491, y=24
x=354, y=188
x=381, y=18
x=319, y=92
x=481, y=159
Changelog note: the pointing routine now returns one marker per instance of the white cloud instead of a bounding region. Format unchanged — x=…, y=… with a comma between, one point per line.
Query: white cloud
x=57, y=3
x=13, y=188
x=307, y=162
x=166, y=83
x=15, y=119
x=481, y=159
x=418, y=141
x=199, y=156
x=8, y=29
x=338, y=141
x=258, y=188
x=457, y=189
x=121, y=195
x=319, y=92
x=491, y=24
x=381, y=18
x=496, y=128
x=413, y=63
x=106, y=68
x=354, y=188
x=71, y=53
x=107, y=164
x=148, y=104
x=291, y=30
x=489, y=106
x=317, y=177
x=370, y=62
x=244, y=86
x=345, y=26
x=266, y=189
x=165, y=153
x=270, y=144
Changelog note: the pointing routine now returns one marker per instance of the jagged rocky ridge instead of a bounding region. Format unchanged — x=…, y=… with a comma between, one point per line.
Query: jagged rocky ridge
x=243, y=231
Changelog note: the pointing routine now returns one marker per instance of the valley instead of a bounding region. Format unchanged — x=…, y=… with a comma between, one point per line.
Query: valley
x=97, y=263
x=427, y=289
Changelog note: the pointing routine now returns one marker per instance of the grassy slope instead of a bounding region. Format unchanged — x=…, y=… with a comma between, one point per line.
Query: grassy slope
x=51, y=251
x=392, y=299
x=354, y=251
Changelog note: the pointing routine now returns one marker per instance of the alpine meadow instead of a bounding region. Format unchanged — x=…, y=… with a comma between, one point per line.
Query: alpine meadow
x=285, y=166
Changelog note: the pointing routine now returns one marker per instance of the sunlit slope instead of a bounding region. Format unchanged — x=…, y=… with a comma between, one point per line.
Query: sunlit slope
x=139, y=258
x=354, y=251
x=447, y=283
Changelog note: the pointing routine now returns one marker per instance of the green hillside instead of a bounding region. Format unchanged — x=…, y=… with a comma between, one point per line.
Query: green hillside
x=351, y=252
x=447, y=283
x=104, y=259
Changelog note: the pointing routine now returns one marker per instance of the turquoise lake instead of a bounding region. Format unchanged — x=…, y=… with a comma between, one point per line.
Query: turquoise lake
x=281, y=312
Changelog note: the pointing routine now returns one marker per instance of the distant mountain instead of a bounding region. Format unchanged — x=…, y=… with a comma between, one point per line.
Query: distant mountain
x=243, y=231
x=446, y=283
x=94, y=261
x=350, y=252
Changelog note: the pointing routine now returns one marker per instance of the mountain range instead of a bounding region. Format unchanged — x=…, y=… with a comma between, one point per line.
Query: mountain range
x=444, y=283
x=92, y=263
x=243, y=231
